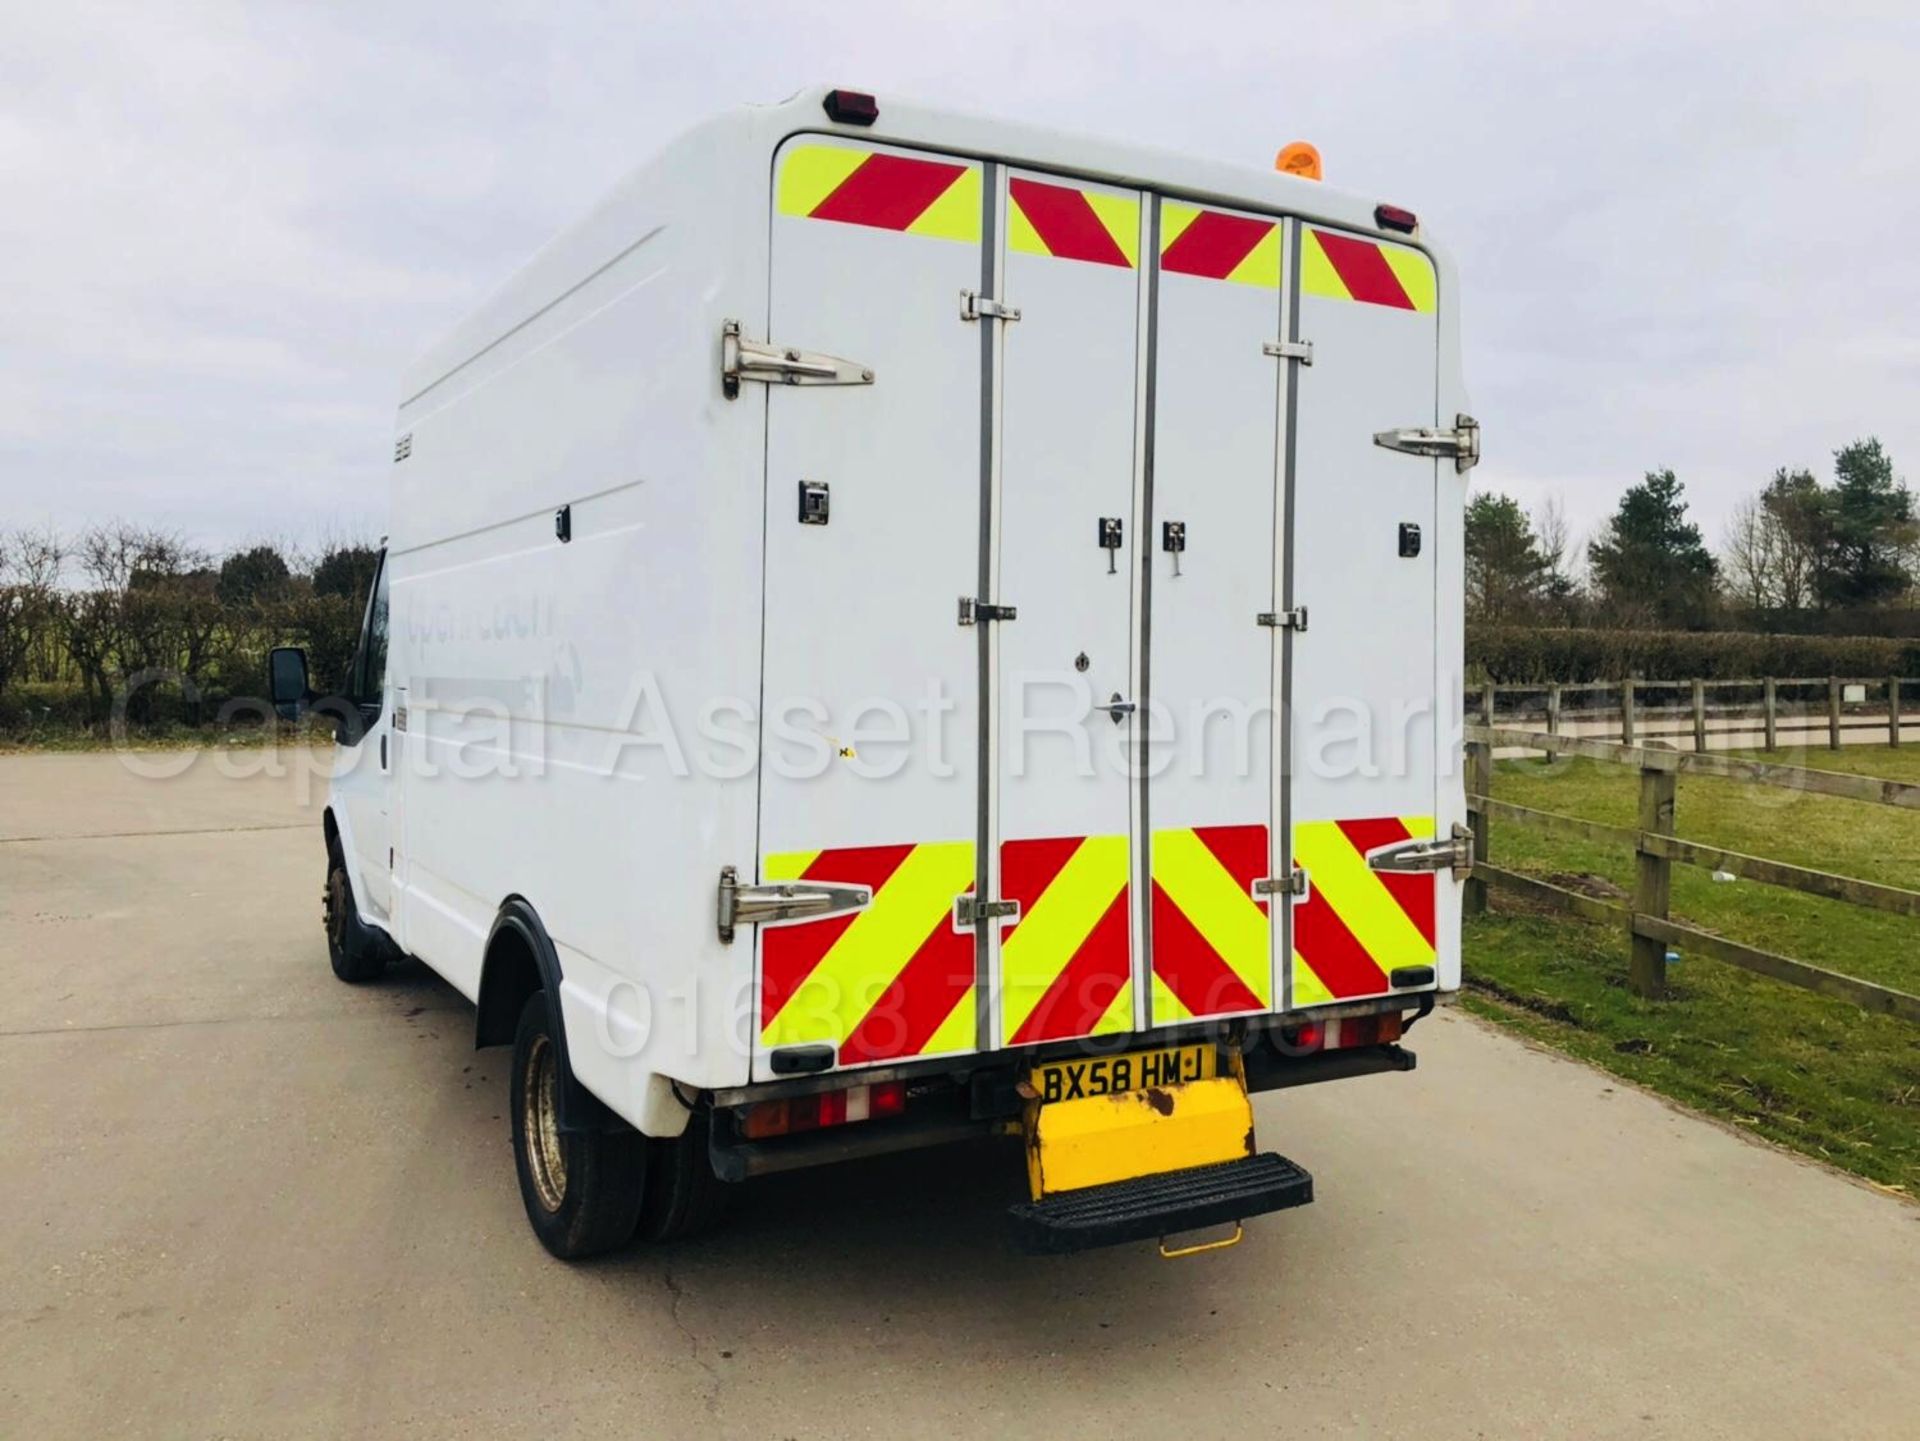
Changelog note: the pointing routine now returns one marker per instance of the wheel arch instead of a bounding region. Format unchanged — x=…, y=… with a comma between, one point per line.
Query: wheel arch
x=520, y=960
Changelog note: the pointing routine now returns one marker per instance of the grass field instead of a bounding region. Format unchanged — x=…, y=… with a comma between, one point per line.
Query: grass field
x=1811, y=1073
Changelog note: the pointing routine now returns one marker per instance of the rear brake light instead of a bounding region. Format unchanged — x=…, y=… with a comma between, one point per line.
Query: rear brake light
x=830, y=1108
x=1307, y=1037
x=1392, y=217
x=1379, y=1029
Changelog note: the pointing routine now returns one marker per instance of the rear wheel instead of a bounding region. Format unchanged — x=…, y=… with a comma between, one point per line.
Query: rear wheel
x=355, y=956
x=582, y=1189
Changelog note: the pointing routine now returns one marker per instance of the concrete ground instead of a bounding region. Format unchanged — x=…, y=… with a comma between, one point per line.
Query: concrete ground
x=240, y=1199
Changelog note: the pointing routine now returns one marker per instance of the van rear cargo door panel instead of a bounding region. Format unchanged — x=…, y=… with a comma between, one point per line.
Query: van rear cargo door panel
x=1213, y=669
x=871, y=701
x=1364, y=676
x=1065, y=676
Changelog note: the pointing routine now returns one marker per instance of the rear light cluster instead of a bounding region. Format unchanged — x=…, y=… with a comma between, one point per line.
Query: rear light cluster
x=1375, y=1030
x=830, y=1108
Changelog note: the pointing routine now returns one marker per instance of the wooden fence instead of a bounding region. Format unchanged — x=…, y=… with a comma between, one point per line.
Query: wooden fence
x=1649, y=927
x=1626, y=708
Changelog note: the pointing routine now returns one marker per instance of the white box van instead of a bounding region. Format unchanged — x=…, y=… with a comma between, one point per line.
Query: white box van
x=903, y=626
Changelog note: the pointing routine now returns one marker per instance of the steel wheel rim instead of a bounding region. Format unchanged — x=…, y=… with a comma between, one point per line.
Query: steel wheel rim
x=540, y=1120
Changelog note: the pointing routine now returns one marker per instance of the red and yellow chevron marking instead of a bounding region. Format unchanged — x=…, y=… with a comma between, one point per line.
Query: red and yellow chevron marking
x=1357, y=924
x=888, y=192
x=1066, y=963
x=1345, y=267
x=1212, y=943
x=1218, y=246
x=895, y=979
x=1072, y=224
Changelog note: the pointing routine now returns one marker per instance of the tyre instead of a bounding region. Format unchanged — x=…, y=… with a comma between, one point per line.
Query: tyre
x=356, y=956
x=582, y=1189
x=684, y=1197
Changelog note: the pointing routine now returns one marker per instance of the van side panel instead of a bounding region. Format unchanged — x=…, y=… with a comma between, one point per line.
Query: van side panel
x=580, y=730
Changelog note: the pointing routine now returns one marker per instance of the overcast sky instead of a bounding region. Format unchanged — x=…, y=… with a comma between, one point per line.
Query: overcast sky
x=1689, y=235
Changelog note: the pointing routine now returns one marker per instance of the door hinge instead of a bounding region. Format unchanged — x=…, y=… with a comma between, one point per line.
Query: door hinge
x=980, y=612
x=1455, y=854
x=1295, y=619
x=974, y=306
x=743, y=359
x=1462, y=442
x=1294, y=883
x=971, y=910
x=783, y=901
x=1300, y=350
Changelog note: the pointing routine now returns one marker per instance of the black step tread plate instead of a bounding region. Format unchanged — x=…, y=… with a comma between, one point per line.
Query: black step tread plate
x=1145, y=1208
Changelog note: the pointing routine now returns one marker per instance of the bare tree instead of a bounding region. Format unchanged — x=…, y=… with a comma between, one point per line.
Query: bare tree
x=1752, y=556
x=29, y=575
x=147, y=606
x=1553, y=536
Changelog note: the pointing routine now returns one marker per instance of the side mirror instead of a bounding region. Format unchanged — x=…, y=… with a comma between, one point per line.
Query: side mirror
x=287, y=681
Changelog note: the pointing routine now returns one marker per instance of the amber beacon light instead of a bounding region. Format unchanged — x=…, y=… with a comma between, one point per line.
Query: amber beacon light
x=1300, y=158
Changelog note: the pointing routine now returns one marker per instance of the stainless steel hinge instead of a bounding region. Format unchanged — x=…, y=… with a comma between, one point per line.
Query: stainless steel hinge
x=974, y=306
x=980, y=612
x=1294, y=883
x=971, y=910
x=1300, y=350
x=1295, y=619
x=743, y=359
x=1455, y=854
x=1462, y=442
x=783, y=901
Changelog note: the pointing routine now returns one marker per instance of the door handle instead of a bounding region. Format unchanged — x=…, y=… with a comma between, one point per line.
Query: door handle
x=1117, y=709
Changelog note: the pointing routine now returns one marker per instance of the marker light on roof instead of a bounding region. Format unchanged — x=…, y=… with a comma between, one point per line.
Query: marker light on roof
x=1299, y=158
x=1392, y=217
x=851, y=107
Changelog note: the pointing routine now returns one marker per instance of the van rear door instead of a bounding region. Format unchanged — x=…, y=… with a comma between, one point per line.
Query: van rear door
x=1363, y=677
x=1065, y=532
x=870, y=709
x=1213, y=668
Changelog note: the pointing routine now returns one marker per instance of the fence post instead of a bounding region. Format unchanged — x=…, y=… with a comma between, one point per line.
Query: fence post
x=1626, y=711
x=1833, y=712
x=1773, y=715
x=1699, y=715
x=1553, y=714
x=1486, y=704
x=1652, y=883
x=1479, y=783
x=1893, y=710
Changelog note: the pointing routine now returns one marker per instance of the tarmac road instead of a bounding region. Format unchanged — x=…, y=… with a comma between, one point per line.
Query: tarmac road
x=240, y=1199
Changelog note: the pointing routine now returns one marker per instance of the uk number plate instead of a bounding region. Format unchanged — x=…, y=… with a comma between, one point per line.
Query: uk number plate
x=1106, y=1075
